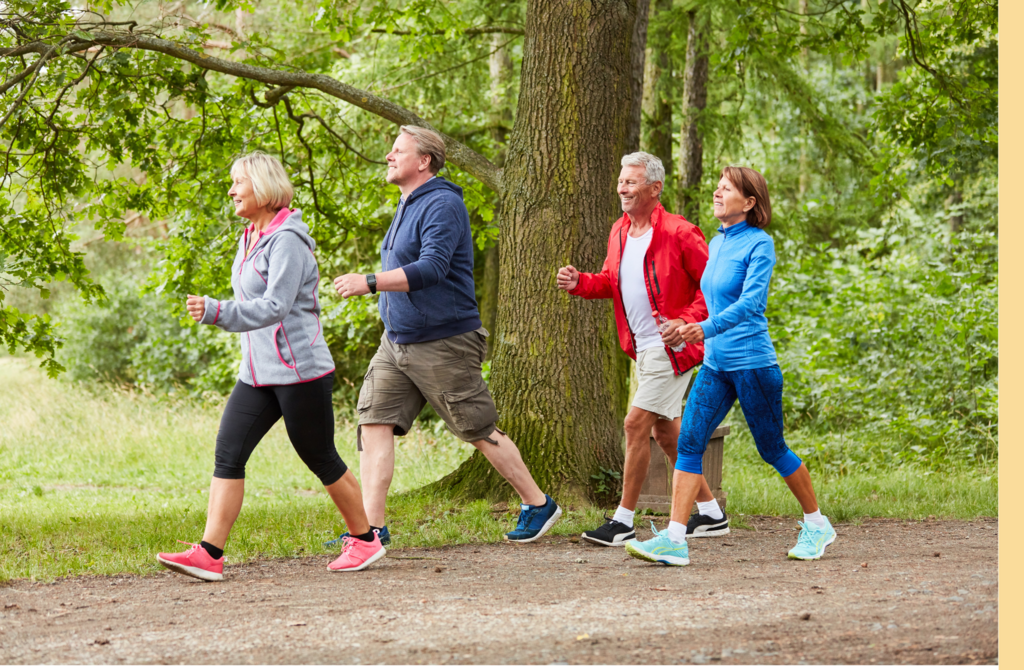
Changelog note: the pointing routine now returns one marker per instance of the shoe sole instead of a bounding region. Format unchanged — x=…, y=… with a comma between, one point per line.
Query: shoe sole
x=362, y=566
x=820, y=553
x=651, y=558
x=602, y=543
x=697, y=532
x=191, y=571
x=545, y=528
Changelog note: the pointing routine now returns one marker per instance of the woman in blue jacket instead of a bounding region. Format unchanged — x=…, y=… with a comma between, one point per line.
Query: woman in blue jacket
x=739, y=363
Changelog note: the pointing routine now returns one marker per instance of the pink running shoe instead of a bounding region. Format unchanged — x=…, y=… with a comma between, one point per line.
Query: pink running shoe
x=357, y=555
x=196, y=562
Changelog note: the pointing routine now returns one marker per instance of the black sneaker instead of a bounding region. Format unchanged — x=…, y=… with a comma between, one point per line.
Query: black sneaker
x=611, y=534
x=701, y=525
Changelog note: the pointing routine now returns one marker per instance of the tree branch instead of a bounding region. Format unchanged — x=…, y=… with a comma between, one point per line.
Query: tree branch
x=481, y=30
x=458, y=153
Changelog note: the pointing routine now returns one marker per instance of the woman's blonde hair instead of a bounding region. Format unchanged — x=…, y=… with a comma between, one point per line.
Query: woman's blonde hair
x=270, y=182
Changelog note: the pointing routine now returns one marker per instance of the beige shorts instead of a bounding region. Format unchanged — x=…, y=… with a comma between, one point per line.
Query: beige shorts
x=446, y=373
x=659, y=388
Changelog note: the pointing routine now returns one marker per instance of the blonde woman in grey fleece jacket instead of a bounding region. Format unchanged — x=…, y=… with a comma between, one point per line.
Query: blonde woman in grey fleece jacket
x=286, y=369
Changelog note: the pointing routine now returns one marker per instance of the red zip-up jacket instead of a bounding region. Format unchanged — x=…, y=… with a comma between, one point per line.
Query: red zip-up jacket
x=673, y=266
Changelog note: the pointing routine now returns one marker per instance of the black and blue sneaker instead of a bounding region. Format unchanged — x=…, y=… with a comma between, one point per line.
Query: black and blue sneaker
x=534, y=521
x=382, y=534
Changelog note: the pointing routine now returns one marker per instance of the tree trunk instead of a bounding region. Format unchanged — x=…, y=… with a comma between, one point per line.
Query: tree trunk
x=637, y=58
x=695, y=98
x=501, y=121
x=658, y=98
x=559, y=379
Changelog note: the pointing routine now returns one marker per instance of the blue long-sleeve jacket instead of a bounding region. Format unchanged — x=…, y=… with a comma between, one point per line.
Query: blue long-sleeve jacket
x=431, y=240
x=735, y=287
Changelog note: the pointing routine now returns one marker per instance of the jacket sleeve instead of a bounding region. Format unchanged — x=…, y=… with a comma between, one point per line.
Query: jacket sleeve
x=695, y=259
x=287, y=257
x=596, y=286
x=754, y=296
x=439, y=237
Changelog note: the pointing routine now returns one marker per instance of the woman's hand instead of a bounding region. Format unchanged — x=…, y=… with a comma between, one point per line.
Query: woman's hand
x=692, y=333
x=196, y=306
x=568, y=278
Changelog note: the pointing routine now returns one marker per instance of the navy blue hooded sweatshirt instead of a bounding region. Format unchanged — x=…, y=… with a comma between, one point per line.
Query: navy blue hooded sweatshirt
x=430, y=239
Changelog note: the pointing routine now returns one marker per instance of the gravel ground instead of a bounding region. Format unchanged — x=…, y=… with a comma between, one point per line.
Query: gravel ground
x=885, y=592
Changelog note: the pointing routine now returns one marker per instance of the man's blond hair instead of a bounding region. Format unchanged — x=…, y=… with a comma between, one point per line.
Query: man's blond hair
x=270, y=183
x=428, y=143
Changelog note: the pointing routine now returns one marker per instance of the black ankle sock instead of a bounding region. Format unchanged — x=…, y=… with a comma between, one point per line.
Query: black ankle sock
x=213, y=551
x=367, y=536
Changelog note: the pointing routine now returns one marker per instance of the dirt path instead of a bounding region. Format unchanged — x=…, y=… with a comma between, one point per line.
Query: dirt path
x=927, y=595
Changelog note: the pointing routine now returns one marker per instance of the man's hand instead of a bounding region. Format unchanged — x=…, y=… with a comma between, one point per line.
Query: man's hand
x=691, y=333
x=568, y=278
x=196, y=306
x=351, y=285
x=671, y=334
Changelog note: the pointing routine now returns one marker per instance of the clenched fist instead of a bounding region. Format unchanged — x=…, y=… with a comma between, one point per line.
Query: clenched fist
x=568, y=278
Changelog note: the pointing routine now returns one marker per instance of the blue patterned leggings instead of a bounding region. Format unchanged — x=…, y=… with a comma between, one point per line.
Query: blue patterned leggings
x=760, y=395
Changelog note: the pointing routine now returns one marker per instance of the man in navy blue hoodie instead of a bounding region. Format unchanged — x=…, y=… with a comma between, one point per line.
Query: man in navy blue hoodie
x=434, y=344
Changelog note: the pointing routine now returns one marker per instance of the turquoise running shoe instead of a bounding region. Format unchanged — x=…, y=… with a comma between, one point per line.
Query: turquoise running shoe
x=811, y=543
x=659, y=549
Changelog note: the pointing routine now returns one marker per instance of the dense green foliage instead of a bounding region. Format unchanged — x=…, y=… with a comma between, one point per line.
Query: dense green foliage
x=874, y=122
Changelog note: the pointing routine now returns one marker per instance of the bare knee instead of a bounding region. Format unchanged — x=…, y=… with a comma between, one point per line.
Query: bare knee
x=637, y=424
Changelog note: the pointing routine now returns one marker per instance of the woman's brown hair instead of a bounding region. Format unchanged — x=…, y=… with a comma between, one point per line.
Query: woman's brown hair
x=751, y=184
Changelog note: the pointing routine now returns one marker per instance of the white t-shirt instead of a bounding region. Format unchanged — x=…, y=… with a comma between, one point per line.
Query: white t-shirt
x=634, y=293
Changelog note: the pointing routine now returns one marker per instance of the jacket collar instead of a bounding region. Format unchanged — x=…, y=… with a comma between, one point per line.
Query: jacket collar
x=283, y=214
x=734, y=229
x=656, y=215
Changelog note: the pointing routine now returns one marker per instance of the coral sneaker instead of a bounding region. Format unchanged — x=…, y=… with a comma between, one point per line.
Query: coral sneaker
x=357, y=555
x=196, y=562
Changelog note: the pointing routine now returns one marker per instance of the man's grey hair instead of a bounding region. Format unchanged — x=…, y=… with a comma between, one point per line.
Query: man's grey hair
x=653, y=168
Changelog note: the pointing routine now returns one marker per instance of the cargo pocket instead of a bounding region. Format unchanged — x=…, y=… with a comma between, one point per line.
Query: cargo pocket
x=471, y=409
x=366, y=392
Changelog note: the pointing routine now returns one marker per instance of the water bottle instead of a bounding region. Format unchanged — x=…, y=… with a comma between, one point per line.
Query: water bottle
x=663, y=326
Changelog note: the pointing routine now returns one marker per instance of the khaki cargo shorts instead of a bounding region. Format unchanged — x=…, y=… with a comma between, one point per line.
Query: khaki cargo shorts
x=659, y=388
x=402, y=378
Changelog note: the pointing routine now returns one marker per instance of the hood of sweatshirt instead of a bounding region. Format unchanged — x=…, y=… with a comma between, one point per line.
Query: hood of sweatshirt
x=435, y=184
x=286, y=221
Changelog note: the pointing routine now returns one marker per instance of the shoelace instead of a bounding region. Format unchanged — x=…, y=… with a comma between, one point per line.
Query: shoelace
x=346, y=544
x=191, y=551
x=808, y=535
x=525, y=517
x=654, y=530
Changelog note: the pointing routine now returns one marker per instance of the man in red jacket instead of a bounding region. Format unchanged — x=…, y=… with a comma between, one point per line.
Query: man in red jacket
x=652, y=274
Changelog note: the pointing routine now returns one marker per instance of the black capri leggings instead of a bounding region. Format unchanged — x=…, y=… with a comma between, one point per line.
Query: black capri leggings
x=308, y=417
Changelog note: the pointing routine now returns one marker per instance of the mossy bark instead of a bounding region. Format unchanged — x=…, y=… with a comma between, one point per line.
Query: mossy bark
x=559, y=379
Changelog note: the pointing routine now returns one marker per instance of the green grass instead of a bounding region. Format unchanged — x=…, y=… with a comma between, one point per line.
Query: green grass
x=99, y=480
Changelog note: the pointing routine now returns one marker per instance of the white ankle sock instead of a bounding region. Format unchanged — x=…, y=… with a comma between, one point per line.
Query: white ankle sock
x=624, y=516
x=815, y=518
x=677, y=532
x=711, y=509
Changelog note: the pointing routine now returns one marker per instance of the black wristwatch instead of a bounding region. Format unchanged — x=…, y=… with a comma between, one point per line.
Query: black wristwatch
x=371, y=281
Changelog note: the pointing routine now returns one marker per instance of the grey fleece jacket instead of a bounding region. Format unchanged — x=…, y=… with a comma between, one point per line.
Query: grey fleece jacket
x=276, y=310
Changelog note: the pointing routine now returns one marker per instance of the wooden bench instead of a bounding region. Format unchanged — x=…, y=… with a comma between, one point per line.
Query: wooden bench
x=656, y=493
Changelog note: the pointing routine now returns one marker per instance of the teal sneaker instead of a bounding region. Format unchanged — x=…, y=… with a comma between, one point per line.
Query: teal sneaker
x=659, y=549
x=811, y=543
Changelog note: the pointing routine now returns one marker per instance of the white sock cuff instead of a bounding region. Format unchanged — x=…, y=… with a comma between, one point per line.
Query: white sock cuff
x=710, y=509
x=624, y=516
x=677, y=532
x=815, y=518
